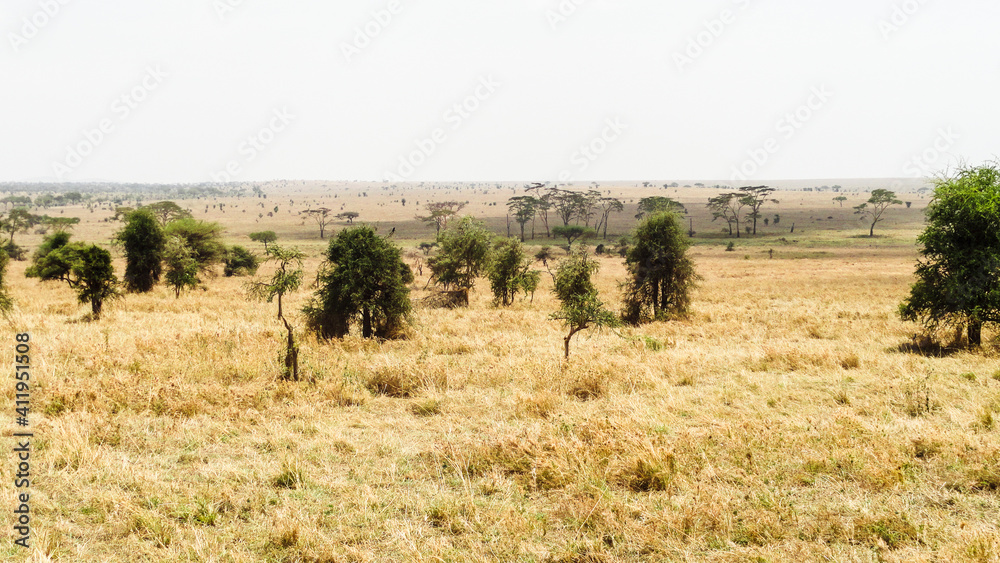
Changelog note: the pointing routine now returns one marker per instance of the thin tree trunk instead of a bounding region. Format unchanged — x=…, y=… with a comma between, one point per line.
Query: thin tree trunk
x=95, y=307
x=975, y=332
x=291, y=355
x=366, y=323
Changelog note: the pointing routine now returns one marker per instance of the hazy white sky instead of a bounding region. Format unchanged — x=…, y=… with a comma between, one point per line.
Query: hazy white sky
x=196, y=90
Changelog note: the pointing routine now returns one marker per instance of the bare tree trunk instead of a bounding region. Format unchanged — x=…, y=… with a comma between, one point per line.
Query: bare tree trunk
x=366, y=323
x=975, y=332
x=291, y=355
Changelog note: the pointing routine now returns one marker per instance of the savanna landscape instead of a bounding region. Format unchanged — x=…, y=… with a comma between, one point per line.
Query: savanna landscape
x=788, y=415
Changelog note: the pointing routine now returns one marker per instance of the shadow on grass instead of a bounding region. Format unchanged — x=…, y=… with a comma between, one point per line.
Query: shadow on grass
x=928, y=349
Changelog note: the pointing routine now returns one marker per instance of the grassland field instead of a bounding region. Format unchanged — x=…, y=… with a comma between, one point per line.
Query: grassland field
x=786, y=419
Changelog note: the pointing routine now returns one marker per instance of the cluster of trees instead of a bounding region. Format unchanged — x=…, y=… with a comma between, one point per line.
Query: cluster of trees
x=20, y=220
x=591, y=208
x=745, y=204
x=159, y=241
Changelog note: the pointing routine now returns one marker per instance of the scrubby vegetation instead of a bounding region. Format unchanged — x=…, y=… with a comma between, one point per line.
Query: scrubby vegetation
x=790, y=415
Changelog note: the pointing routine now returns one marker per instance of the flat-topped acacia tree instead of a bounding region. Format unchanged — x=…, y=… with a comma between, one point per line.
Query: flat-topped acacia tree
x=265, y=237
x=876, y=205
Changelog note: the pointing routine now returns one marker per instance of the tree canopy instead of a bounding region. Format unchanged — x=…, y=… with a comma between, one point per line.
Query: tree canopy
x=142, y=240
x=364, y=280
x=661, y=274
x=876, y=205
x=958, y=273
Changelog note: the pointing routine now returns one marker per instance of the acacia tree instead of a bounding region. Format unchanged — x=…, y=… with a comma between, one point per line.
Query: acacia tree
x=572, y=232
x=580, y=307
x=509, y=271
x=841, y=199
x=728, y=207
x=349, y=216
x=661, y=273
x=958, y=273
x=657, y=204
x=203, y=238
x=240, y=262
x=754, y=197
x=85, y=268
x=18, y=220
x=286, y=279
x=523, y=208
x=182, y=268
x=322, y=218
x=143, y=241
x=440, y=213
x=167, y=211
x=364, y=280
x=608, y=206
x=880, y=200
x=464, y=253
x=265, y=237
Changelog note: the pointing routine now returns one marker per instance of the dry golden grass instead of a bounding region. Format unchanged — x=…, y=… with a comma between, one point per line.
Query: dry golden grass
x=780, y=422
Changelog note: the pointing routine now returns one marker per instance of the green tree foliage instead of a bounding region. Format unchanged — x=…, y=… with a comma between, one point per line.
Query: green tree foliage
x=265, y=237
x=464, y=253
x=240, y=262
x=349, y=216
x=6, y=302
x=167, y=211
x=203, y=238
x=286, y=279
x=572, y=232
x=440, y=213
x=580, y=306
x=661, y=275
x=181, y=265
x=657, y=204
x=322, y=218
x=958, y=273
x=754, y=197
x=523, y=209
x=729, y=208
x=143, y=240
x=608, y=205
x=509, y=271
x=876, y=205
x=363, y=281
x=18, y=220
x=86, y=268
